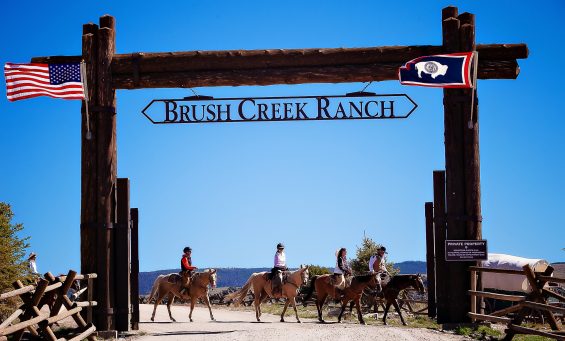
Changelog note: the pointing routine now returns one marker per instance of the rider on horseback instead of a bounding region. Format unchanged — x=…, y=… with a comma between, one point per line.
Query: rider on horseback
x=186, y=264
x=341, y=271
x=377, y=264
x=279, y=266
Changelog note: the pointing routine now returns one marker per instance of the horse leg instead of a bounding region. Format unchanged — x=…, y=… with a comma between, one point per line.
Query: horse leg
x=157, y=301
x=319, y=304
x=387, y=307
x=257, y=303
x=284, y=309
x=343, y=306
x=351, y=306
x=170, y=299
x=207, y=301
x=395, y=303
x=359, y=315
x=192, y=303
x=295, y=310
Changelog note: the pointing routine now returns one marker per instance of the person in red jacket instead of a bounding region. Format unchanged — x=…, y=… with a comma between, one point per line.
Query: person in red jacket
x=186, y=263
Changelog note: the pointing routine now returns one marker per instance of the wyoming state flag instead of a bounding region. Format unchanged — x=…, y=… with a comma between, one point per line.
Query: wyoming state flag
x=441, y=71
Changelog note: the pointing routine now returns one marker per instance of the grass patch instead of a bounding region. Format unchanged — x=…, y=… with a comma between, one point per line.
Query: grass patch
x=531, y=338
x=479, y=333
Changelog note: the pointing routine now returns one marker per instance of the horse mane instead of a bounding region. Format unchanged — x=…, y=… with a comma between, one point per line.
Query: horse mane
x=363, y=278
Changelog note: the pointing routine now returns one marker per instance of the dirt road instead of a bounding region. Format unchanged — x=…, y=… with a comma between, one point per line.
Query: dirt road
x=240, y=325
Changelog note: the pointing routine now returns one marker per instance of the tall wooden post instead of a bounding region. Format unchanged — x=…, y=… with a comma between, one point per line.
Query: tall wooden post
x=134, y=269
x=441, y=275
x=89, y=193
x=122, y=258
x=430, y=259
x=107, y=165
x=461, y=163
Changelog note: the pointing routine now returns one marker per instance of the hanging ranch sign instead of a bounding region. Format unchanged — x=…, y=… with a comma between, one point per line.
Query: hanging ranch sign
x=354, y=106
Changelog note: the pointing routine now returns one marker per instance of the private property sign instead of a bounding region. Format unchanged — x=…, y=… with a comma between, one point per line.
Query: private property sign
x=465, y=250
x=203, y=109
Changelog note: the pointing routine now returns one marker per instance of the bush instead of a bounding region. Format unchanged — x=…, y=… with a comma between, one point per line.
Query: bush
x=360, y=265
x=12, y=263
x=315, y=270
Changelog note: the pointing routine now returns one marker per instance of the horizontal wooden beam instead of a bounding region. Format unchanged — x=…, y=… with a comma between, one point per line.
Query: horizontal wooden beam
x=545, y=307
x=525, y=330
x=502, y=297
x=291, y=75
x=267, y=67
x=499, y=271
x=490, y=318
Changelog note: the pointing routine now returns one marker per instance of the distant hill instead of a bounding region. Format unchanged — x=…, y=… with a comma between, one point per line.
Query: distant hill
x=236, y=277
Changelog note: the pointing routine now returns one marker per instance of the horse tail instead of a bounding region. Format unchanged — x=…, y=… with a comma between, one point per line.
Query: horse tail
x=241, y=293
x=154, y=288
x=310, y=290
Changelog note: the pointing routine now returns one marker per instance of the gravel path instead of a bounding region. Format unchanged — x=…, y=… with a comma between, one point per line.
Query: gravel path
x=240, y=325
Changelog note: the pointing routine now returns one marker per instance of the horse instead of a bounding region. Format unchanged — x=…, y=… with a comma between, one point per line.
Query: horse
x=323, y=286
x=394, y=286
x=262, y=289
x=171, y=285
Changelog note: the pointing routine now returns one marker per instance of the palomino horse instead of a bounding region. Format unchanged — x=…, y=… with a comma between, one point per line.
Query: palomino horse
x=171, y=286
x=394, y=286
x=262, y=290
x=324, y=288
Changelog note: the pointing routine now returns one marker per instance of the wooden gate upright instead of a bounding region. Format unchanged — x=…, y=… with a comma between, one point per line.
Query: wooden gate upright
x=108, y=71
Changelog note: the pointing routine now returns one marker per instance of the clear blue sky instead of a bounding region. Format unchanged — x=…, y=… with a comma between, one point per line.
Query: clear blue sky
x=232, y=191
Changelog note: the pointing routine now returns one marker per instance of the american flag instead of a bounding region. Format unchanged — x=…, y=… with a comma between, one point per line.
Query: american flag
x=54, y=80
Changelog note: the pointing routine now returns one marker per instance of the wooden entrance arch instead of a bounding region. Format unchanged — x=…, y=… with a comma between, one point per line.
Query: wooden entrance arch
x=108, y=72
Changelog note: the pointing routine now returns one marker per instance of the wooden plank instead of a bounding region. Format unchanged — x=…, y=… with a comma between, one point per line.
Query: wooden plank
x=552, y=279
x=11, y=318
x=531, y=331
x=23, y=325
x=442, y=277
x=134, y=214
x=86, y=304
x=543, y=307
x=430, y=259
x=501, y=297
x=495, y=270
x=87, y=333
x=17, y=292
x=63, y=315
x=490, y=318
x=554, y=295
x=507, y=311
x=122, y=257
x=67, y=283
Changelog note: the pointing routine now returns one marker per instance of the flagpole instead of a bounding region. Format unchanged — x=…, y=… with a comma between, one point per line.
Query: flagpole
x=474, y=87
x=85, y=86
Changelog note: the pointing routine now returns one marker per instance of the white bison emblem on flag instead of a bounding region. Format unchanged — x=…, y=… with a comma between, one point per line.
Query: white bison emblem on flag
x=432, y=68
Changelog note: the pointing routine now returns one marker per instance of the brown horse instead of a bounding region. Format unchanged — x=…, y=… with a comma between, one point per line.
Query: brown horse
x=324, y=288
x=394, y=286
x=262, y=290
x=171, y=286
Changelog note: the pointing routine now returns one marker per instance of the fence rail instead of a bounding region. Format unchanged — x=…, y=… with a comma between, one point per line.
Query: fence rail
x=49, y=291
x=534, y=301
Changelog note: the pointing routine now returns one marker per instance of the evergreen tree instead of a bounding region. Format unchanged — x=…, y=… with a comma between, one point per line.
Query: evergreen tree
x=315, y=270
x=13, y=265
x=360, y=265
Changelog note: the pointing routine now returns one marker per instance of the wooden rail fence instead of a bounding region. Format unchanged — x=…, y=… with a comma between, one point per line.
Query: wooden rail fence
x=51, y=291
x=524, y=305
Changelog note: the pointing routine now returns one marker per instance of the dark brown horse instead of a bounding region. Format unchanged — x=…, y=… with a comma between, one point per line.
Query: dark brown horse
x=394, y=287
x=353, y=292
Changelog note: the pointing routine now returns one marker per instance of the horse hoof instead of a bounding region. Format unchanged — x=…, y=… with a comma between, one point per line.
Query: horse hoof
x=190, y=320
x=173, y=320
x=282, y=320
x=152, y=319
x=298, y=321
x=404, y=324
x=362, y=322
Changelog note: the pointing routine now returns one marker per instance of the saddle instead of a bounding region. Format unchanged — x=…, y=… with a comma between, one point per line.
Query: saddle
x=174, y=278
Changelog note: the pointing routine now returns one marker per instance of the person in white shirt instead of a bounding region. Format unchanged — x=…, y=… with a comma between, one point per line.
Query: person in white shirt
x=279, y=266
x=377, y=264
x=31, y=262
